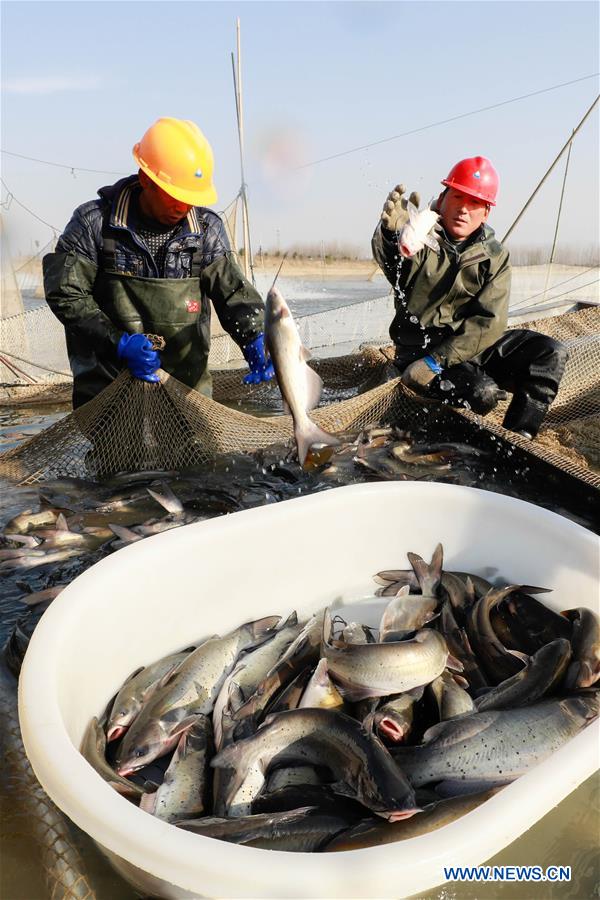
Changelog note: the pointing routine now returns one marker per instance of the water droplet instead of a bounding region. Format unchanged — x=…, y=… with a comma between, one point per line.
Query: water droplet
x=446, y=385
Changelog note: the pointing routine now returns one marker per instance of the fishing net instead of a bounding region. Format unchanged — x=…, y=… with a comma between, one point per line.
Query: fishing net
x=137, y=426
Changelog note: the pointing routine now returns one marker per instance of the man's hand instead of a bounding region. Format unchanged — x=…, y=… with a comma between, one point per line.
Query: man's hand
x=419, y=375
x=137, y=353
x=260, y=367
x=395, y=209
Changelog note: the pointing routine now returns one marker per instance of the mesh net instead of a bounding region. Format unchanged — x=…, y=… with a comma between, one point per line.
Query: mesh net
x=138, y=426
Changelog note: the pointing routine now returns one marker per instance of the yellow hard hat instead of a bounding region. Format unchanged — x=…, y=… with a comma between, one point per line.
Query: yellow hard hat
x=177, y=157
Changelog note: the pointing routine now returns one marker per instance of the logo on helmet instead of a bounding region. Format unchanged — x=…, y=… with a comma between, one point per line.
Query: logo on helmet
x=198, y=173
x=477, y=174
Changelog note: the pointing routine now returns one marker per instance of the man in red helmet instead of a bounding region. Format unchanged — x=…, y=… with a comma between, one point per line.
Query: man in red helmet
x=450, y=325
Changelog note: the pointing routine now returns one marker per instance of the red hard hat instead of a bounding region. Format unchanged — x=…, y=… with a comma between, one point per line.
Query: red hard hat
x=475, y=176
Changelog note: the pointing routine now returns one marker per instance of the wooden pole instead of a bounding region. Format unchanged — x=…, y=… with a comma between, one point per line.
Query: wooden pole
x=568, y=144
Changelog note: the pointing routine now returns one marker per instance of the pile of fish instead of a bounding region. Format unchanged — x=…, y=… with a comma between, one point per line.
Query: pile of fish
x=335, y=734
x=71, y=520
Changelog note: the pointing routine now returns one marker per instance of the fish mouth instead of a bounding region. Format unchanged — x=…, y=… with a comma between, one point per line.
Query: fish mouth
x=392, y=730
x=398, y=815
x=115, y=732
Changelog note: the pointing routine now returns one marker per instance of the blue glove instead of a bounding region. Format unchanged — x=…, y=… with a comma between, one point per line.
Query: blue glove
x=137, y=353
x=260, y=367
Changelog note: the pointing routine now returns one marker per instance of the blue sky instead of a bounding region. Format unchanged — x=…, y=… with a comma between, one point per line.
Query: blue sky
x=83, y=80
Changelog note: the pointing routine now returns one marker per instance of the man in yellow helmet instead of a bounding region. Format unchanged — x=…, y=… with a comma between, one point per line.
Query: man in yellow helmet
x=145, y=258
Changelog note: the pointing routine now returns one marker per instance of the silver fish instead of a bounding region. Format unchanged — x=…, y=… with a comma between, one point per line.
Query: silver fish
x=374, y=832
x=417, y=233
x=360, y=764
x=320, y=692
x=190, y=692
x=93, y=749
x=452, y=700
x=497, y=745
x=393, y=720
x=183, y=792
x=585, y=640
x=406, y=613
x=300, y=386
x=303, y=651
x=541, y=674
x=243, y=681
x=378, y=670
x=137, y=690
x=301, y=830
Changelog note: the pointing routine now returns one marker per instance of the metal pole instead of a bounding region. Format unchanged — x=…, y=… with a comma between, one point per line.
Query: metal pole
x=560, y=203
x=568, y=143
x=248, y=262
x=562, y=194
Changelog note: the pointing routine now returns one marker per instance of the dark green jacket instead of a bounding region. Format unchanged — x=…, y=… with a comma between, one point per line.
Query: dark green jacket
x=99, y=279
x=460, y=298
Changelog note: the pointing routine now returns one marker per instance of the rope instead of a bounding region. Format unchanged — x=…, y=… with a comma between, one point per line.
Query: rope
x=473, y=112
x=29, y=362
x=564, y=294
x=16, y=370
x=558, y=284
x=26, y=208
x=62, y=165
x=35, y=256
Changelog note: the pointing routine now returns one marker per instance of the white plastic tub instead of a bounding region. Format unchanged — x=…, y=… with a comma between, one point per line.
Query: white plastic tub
x=163, y=593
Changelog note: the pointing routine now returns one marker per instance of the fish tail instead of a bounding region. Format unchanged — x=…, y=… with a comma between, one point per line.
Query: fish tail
x=307, y=434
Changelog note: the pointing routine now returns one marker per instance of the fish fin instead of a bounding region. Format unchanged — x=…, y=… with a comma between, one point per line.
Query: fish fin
x=314, y=388
x=235, y=697
x=61, y=523
x=586, y=677
x=133, y=674
x=531, y=589
x=470, y=590
x=517, y=653
x=148, y=803
x=125, y=534
x=428, y=576
x=166, y=678
x=463, y=727
x=262, y=627
x=327, y=628
x=413, y=213
x=308, y=434
x=291, y=620
x=305, y=353
x=183, y=726
x=388, y=619
x=455, y=664
x=459, y=680
x=167, y=500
